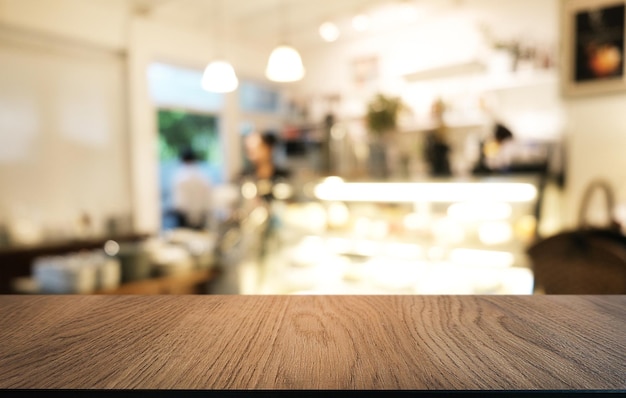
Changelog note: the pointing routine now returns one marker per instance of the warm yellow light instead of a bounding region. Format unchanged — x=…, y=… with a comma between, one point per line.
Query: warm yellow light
x=403, y=250
x=378, y=230
x=248, y=190
x=479, y=211
x=415, y=221
x=338, y=214
x=362, y=227
x=495, y=232
x=333, y=180
x=284, y=65
x=367, y=248
x=485, y=258
x=446, y=230
x=425, y=192
x=339, y=245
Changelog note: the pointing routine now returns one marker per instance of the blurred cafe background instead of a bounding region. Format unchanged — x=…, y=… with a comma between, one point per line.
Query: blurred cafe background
x=312, y=147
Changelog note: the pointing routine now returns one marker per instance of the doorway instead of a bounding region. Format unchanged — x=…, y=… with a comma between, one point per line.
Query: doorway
x=180, y=130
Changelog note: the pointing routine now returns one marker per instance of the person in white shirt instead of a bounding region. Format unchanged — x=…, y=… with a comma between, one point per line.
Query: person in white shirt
x=192, y=193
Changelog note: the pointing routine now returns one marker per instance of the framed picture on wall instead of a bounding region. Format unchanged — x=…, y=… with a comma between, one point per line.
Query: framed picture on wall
x=593, y=34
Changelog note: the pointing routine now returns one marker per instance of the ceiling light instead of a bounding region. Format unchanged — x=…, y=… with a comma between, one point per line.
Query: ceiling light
x=360, y=22
x=329, y=31
x=284, y=65
x=219, y=77
x=425, y=192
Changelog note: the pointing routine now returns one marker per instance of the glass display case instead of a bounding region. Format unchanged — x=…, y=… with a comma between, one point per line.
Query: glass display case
x=428, y=237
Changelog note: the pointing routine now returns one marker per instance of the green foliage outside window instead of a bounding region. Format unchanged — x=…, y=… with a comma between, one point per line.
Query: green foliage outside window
x=179, y=130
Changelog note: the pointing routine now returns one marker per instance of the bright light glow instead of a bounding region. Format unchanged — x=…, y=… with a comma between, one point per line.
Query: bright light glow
x=525, y=227
x=360, y=22
x=394, y=275
x=219, y=77
x=329, y=31
x=367, y=248
x=479, y=211
x=448, y=231
x=518, y=281
x=429, y=192
x=338, y=214
x=333, y=180
x=339, y=245
x=456, y=279
x=403, y=250
x=362, y=227
x=494, y=233
x=379, y=230
x=284, y=65
x=414, y=221
x=248, y=190
x=436, y=253
x=485, y=258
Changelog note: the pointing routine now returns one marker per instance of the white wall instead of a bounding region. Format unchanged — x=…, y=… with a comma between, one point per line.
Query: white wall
x=596, y=134
x=596, y=137
x=98, y=22
x=442, y=35
x=62, y=124
x=109, y=25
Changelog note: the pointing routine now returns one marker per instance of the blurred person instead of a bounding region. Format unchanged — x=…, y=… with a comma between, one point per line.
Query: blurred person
x=263, y=170
x=499, y=150
x=436, y=148
x=191, y=193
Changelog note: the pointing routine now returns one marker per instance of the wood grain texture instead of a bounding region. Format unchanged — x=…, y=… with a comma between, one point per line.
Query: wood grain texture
x=395, y=342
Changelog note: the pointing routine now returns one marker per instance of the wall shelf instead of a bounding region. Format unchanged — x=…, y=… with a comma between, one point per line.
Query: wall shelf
x=472, y=67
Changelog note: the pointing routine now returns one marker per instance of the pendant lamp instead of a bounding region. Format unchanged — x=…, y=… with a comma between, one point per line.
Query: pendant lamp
x=219, y=75
x=284, y=63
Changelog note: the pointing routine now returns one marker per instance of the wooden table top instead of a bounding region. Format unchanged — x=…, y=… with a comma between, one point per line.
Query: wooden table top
x=311, y=342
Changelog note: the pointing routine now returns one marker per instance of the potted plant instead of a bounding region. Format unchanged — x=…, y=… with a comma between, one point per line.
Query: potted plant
x=382, y=114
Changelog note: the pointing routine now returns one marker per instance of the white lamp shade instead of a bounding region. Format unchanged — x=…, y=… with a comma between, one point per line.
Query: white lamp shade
x=219, y=77
x=284, y=65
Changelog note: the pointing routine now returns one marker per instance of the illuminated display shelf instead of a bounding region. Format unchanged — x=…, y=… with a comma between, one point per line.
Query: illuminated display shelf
x=368, y=238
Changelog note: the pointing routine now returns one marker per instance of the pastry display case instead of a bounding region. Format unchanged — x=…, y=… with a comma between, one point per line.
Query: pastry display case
x=428, y=237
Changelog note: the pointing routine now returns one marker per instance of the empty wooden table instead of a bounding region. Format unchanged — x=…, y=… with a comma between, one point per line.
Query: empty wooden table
x=311, y=342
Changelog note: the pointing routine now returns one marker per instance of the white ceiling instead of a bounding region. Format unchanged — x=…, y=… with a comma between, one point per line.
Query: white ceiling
x=263, y=21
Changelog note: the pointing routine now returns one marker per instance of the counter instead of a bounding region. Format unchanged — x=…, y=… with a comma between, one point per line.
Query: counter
x=311, y=342
x=17, y=261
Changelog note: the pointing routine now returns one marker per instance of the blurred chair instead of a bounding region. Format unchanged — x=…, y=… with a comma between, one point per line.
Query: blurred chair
x=583, y=261
x=578, y=264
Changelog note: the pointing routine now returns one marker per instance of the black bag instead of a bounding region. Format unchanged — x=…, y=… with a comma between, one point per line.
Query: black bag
x=587, y=260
